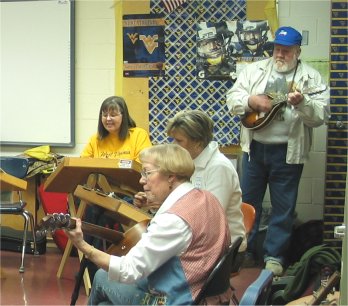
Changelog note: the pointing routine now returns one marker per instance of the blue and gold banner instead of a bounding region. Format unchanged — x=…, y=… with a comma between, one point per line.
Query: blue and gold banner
x=143, y=45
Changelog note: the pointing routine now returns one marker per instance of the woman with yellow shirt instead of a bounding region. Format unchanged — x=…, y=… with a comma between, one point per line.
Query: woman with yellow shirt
x=117, y=136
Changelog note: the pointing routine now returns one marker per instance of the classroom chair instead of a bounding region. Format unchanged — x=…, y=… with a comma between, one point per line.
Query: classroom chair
x=249, y=216
x=219, y=279
x=17, y=166
x=258, y=292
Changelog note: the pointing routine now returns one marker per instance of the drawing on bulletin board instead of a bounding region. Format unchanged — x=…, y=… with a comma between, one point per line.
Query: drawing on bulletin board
x=223, y=48
x=143, y=45
x=37, y=73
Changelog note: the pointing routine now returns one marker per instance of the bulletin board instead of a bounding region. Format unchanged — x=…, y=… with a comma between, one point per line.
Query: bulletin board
x=37, y=73
x=180, y=88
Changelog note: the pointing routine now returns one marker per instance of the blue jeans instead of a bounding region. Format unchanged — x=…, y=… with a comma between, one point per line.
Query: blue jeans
x=267, y=165
x=106, y=292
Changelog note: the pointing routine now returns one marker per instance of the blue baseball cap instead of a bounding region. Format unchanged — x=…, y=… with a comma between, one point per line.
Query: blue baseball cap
x=287, y=36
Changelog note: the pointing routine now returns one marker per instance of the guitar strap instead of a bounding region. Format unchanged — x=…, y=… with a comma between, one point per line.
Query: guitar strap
x=290, y=88
x=293, y=78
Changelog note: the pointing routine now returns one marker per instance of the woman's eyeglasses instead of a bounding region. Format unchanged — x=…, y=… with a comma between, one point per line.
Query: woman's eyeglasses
x=105, y=115
x=145, y=173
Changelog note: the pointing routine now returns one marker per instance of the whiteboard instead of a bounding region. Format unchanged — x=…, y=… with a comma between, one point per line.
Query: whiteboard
x=37, y=73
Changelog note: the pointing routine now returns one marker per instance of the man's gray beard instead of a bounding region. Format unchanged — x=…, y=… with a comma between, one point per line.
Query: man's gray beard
x=284, y=67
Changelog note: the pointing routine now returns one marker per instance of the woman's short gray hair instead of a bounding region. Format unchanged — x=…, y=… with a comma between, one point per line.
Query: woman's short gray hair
x=171, y=159
x=195, y=124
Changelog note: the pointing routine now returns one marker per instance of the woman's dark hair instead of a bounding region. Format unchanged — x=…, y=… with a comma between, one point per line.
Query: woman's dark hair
x=118, y=104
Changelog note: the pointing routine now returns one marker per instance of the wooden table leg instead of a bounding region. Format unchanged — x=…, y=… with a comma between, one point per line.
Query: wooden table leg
x=91, y=182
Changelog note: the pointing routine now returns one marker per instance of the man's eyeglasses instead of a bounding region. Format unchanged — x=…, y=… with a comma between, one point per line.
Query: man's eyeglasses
x=145, y=173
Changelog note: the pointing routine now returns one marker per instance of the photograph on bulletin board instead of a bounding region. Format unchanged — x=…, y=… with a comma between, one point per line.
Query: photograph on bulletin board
x=143, y=45
x=224, y=48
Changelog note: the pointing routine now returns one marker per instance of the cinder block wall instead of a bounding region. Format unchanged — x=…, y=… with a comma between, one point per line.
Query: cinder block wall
x=312, y=16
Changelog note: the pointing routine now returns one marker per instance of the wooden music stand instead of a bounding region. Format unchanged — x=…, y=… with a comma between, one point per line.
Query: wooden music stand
x=11, y=183
x=109, y=175
x=73, y=171
x=126, y=213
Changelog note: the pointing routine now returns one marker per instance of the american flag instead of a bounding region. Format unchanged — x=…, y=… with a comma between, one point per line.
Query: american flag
x=171, y=5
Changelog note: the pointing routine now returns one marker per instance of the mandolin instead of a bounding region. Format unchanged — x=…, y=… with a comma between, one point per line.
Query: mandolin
x=324, y=289
x=258, y=120
x=121, y=242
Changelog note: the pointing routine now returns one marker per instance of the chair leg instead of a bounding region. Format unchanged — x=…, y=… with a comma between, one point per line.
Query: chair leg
x=31, y=219
x=26, y=222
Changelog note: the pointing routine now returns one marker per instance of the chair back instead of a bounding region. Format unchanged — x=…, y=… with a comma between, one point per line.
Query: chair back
x=219, y=279
x=249, y=216
x=55, y=202
x=258, y=292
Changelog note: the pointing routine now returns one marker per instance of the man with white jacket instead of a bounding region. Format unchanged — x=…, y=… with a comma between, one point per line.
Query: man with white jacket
x=280, y=101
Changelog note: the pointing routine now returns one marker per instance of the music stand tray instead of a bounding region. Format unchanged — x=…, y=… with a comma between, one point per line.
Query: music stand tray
x=74, y=171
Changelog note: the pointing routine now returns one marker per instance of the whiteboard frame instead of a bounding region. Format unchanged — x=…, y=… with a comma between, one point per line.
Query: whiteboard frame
x=14, y=126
